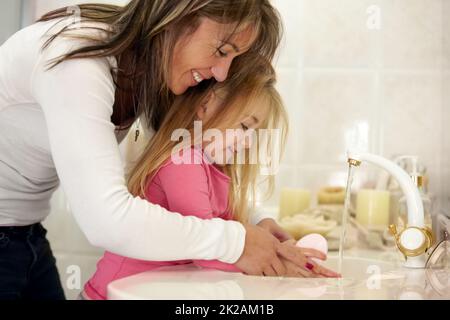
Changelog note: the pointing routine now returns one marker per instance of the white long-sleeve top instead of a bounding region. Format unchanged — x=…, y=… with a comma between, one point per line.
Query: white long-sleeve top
x=55, y=127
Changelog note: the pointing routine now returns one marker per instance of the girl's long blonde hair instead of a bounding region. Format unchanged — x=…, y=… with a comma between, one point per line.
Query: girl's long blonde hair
x=144, y=32
x=241, y=94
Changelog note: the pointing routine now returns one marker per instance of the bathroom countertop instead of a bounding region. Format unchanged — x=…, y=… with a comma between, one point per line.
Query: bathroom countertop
x=367, y=274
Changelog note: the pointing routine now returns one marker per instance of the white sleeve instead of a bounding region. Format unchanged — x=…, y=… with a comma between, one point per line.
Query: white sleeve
x=77, y=98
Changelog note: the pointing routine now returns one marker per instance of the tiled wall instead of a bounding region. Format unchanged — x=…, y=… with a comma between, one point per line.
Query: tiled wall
x=10, y=14
x=446, y=107
x=348, y=84
x=344, y=84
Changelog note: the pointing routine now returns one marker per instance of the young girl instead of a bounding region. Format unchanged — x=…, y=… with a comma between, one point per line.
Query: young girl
x=210, y=182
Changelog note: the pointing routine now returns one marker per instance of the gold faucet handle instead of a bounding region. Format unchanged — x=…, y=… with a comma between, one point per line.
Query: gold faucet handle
x=429, y=235
x=393, y=230
x=412, y=252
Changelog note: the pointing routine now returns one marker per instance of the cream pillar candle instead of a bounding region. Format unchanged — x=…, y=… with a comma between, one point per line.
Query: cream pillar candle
x=293, y=201
x=372, y=208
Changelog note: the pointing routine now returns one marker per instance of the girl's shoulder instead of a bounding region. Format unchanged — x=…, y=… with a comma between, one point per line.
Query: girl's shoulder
x=187, y=164
x=190, y=163
x=187, y=157
x=189, y=184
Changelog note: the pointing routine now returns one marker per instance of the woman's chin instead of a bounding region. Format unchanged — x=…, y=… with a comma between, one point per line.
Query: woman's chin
x=178, y=89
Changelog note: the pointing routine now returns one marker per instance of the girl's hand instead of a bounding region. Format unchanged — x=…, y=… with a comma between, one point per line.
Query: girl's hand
x=278, y=232
x=299, y=264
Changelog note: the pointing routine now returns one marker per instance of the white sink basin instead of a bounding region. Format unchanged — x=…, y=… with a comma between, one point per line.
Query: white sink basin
x=360, y=268
x=367, y=274
x=362, y=279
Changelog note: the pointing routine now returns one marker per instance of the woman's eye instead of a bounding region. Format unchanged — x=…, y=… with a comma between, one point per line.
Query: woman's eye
x=222, y=53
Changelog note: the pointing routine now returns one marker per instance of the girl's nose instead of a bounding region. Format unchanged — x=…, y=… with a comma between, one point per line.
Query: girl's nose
x=245, y=142
x=220, y=70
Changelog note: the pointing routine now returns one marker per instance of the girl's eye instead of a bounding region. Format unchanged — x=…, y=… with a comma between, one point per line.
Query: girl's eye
x=244, y=127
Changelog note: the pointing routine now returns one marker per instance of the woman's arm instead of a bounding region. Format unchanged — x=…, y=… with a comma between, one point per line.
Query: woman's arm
x=186, y=189
x=77, y=98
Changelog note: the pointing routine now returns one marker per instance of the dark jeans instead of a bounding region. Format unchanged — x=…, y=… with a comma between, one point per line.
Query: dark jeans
x=27, y=265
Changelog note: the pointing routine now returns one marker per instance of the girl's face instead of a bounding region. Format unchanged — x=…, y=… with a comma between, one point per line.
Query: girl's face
x=206, y=53
x=242, y=137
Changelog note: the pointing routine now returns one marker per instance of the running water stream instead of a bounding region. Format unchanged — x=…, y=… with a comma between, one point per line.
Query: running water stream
x=345, y=214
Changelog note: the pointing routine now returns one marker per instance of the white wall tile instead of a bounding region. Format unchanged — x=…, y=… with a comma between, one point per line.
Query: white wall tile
x=336, y=35
x=64, y=233
x=75, y=269
x=291, y=53
x=412, y=125
x=290, y=86
x=446, y=141
x=337, y=115
x=412, y=33
x=10, y=15
x=446, y=32
x=446, y=111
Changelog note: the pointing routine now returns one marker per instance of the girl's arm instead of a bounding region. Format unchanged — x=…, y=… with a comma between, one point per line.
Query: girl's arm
x=77, y=100
x=186, y=189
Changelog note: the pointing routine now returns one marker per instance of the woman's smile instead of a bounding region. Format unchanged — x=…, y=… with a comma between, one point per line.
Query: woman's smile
x=197, y=76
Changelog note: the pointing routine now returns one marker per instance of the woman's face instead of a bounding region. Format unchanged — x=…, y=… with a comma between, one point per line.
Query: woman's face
x=206, y=53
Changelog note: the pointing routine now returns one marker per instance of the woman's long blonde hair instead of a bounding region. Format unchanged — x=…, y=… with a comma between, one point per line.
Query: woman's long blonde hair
x=144, y=33
x=241, y=94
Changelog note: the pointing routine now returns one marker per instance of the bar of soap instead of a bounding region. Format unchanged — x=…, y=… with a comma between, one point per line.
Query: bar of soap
x=314, y=241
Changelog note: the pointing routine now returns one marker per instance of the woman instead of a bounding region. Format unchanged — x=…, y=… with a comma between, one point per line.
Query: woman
x=69, y=92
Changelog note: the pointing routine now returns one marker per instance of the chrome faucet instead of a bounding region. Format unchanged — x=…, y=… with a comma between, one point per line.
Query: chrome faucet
x=415, y=240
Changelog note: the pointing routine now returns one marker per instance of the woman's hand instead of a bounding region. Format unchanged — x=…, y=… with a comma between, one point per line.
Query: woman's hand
x=278, y=232
x=260, y=253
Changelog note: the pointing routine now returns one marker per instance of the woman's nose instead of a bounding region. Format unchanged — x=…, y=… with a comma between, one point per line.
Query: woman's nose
x=220, y=71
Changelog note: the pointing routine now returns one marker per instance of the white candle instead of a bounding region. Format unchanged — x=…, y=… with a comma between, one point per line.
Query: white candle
x=372, y=208
x=293, y=201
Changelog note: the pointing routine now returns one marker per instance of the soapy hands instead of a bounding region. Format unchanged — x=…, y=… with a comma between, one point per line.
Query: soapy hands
x=274, y=229
x=265, y=255
x=298, y=260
